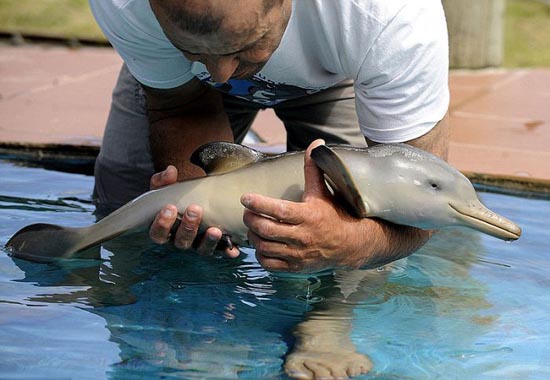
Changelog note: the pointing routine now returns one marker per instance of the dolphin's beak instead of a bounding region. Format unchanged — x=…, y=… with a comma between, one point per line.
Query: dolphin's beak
x=479, y=217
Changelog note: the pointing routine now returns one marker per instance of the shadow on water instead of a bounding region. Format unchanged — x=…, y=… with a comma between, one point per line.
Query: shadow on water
x=66, y=204
x=62, y=158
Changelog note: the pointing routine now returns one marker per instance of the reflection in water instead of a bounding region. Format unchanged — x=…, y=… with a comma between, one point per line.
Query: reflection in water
x=465, y=306
x=178, y=313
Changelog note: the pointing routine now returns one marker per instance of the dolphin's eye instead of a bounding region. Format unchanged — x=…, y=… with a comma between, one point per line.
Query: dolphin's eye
x=434, y=185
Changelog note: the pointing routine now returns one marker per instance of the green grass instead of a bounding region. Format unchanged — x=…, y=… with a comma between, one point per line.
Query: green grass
x=57, y=18
x=527, y=34
x=527, y=38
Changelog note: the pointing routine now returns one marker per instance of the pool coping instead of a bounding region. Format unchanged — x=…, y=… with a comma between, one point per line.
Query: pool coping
x=511, y=184
x=81, y=159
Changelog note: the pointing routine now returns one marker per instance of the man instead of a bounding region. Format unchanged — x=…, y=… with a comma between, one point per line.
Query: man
x=198, y=71
x=345, y=71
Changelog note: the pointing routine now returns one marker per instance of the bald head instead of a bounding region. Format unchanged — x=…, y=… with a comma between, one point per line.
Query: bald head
x=232, y=38
x=205, y=16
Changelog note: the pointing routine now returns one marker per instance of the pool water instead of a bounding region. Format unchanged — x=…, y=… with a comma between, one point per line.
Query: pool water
x=466, y=306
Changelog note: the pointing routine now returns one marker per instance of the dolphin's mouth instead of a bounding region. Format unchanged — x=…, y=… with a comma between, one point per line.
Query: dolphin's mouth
x=482, y=219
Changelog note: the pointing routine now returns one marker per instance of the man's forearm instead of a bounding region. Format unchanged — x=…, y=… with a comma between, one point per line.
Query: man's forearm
x=179, y=126
x=174, y=139
x=436, y=141
x=393, y=242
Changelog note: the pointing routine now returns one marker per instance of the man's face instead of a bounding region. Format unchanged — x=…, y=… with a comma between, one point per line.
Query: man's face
x=242, y=45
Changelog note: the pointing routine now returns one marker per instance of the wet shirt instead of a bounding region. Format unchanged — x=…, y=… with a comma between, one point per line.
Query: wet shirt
x=396, y=52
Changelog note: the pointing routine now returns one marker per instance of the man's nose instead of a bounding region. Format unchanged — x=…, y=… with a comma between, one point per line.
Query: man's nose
x=221, y=68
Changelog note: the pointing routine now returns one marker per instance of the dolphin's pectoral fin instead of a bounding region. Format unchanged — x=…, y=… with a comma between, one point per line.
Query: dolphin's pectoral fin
x=221, y=157
x=340, y=179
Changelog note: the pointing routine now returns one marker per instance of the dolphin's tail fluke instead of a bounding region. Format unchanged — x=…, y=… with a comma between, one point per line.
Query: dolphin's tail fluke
x=47, y=242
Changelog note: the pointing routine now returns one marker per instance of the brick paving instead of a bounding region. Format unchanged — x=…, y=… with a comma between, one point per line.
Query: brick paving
x=57, y=96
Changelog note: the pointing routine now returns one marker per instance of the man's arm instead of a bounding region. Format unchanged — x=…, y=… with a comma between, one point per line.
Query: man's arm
x=181, y=120
x=316, y=234
x=436, y=141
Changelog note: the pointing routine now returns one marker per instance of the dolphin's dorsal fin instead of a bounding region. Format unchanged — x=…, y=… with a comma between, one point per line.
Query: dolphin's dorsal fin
x=222, y=157
x=340, y=179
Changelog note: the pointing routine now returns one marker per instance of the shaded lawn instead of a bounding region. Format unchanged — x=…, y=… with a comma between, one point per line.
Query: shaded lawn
x=57, y=18
x=527, y=39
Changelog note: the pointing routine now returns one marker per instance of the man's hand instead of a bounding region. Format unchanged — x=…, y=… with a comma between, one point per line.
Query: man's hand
x=305, y=236
x=186, y=233
x=317, y=234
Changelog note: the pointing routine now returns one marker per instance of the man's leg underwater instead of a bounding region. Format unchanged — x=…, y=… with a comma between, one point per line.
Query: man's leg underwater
x=323, y=347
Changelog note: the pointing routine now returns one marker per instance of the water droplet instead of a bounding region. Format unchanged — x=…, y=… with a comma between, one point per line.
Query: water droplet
x=177, y=285
x=316, y=299
x=309, y=299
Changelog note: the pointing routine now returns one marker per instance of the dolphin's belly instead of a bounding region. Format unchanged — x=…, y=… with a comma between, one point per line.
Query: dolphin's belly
x=220, y=195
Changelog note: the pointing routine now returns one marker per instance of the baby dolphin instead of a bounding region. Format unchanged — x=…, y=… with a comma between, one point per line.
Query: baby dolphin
x=409, y=186
x=394, y=182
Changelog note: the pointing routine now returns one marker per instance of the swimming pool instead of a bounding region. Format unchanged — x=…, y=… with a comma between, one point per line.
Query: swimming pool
x=466, y=306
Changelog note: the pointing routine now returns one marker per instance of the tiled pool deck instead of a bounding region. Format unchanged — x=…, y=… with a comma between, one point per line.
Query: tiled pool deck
x=54, y=95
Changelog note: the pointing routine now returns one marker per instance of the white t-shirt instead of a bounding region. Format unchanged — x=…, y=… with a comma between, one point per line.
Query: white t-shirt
x=396, y=51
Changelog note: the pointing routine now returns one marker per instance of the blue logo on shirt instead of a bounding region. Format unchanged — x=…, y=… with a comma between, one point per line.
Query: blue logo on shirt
x=258, y=89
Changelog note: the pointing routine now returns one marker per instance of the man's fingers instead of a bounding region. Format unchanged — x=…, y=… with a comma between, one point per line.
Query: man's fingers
x=314, y=180
x=280, y=210
x=164, y=178
x=186, y=233
x=160, y=229
x=287, y=211
x=276, y=264
x=232, y=253
x=272, y=264
x=270, y=229
x=274, y=255
x=210, y=240
x=188, y=228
